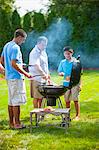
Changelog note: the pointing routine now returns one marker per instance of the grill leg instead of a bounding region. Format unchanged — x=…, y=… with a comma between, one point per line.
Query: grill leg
x=30, y=122
x=44, y=102
x=60, y=103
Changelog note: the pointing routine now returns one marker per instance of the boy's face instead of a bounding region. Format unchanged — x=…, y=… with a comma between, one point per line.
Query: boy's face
x=68, y=55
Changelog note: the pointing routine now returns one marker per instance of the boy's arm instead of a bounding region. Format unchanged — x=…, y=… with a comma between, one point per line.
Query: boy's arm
x=60, y=70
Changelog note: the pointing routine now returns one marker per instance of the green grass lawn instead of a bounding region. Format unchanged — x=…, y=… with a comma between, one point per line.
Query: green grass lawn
x=81, y=135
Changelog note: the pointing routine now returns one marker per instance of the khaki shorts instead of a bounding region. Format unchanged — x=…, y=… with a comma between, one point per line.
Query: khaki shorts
x=72, y=94
x=16, y=92
x=34, y=89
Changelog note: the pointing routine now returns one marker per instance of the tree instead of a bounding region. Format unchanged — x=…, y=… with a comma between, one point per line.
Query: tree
x=16, y=21
x=39, y=23
x=27, y=22
x=7, y=5
x=5, y=28
x=6, y=8
x=84, y=15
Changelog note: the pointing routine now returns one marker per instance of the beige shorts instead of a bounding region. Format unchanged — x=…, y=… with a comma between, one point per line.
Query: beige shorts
x=34, y=89
x=72, y=94
x=16, y=92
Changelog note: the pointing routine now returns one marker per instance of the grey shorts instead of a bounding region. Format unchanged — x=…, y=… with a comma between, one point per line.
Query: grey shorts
x=34, y=89
x=16, y=92
x=72, y=94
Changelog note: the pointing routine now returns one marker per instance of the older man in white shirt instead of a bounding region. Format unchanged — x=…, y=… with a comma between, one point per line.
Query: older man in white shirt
x=38, y=67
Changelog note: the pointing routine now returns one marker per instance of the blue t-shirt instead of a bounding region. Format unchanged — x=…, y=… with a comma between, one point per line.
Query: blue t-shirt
x=65, y=66
x=11, y=51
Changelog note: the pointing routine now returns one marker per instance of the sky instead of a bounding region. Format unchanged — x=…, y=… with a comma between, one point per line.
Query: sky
x=23, y=6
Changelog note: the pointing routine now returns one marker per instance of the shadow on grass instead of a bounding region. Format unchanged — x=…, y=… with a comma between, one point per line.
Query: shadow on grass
x=3, y=125
x=77, y=129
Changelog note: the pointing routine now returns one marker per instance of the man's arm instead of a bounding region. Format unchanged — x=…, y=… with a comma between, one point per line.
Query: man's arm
x=2, y=70
x=42, y=73
x=19, y=69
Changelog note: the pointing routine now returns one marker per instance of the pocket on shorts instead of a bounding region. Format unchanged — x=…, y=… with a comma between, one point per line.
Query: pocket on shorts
x=21, y=85
x=22, y=92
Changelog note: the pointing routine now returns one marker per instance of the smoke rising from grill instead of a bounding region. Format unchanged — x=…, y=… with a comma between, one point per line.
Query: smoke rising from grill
x=59, y=34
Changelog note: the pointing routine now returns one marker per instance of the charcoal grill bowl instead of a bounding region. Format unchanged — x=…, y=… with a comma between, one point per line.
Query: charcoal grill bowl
x=51, y=93
x=51, y=90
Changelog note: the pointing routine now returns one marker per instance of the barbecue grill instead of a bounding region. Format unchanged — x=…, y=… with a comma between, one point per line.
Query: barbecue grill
x=53, y=92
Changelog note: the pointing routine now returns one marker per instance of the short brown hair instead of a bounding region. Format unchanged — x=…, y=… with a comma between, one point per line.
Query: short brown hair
x=20, y=32
x=68, y=48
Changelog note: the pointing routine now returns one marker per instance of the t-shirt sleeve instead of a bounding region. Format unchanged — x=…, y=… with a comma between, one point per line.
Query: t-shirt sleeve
x=15, y=53
x=34, y=59
x=60, y=68
x=2, y=54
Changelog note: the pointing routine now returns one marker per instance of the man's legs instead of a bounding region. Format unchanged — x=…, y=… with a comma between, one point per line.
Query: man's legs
x=14, y=86
x=37, y=97
x=11, y=117
x=37, y=103
x=16, y=114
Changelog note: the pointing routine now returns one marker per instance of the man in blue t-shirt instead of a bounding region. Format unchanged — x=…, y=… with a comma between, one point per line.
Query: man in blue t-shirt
x=65, y=69
x=11, y=59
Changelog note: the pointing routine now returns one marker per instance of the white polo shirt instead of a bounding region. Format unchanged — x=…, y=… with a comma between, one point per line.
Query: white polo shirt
x=38, y=57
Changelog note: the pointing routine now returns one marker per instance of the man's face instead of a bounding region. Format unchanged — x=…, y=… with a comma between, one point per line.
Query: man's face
x=21, y=40
x=42, y=45
x=68, y=55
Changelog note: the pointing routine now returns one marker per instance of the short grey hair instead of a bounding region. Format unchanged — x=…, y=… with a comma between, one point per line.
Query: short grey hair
x=42, y=38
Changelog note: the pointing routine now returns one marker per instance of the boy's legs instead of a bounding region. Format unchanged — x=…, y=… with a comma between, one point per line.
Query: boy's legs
x=67, y=98
x=77, y=108
x=75, y=95
x=67, y=104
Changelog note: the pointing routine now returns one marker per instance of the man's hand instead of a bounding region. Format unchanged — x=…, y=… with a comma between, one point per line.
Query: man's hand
x=46, y=77
x=28, y=75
